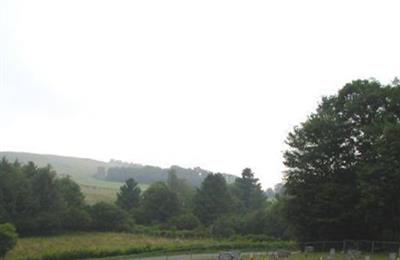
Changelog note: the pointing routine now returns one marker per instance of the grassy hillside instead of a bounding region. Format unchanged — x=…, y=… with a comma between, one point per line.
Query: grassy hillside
x=84, y=170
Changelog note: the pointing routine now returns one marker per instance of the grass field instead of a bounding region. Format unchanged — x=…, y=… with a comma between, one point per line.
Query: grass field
x=96, y=244
x=314, y=256
x=97, y=190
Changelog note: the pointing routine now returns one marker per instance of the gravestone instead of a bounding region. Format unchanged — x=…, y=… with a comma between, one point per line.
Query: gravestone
x=392, y=256
x=308, y=249
x=352, y=254
x=275, y=255
x=229, y=255
x=283, y=253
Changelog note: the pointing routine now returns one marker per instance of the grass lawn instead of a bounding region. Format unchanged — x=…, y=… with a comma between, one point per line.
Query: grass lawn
x=97, y=244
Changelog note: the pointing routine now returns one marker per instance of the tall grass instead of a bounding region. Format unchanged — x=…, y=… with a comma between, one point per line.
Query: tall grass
x=96, y=244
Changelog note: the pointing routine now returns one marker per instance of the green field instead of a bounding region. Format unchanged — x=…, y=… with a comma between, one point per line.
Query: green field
x=314, y=256
x=99, y=190
x=97, y=244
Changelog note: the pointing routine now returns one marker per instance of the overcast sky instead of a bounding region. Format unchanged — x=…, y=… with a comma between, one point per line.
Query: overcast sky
x=215, y=84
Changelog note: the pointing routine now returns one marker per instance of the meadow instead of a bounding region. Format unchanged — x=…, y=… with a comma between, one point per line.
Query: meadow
x=102, y=244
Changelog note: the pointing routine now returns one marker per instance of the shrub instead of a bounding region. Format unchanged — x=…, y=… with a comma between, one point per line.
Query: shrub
x=77, y=219
x=8, y=238
x=223, y=227
x=186, y=221
x=108, y=217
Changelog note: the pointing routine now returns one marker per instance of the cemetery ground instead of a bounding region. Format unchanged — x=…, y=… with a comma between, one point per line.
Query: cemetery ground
x=84, y=245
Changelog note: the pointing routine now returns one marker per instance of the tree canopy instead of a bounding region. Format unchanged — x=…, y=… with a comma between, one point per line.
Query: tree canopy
x=213, y=199
x=343, y=166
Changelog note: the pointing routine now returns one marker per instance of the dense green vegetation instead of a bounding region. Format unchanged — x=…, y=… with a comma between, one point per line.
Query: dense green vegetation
x=100, y=181
x=344, y=166
x=38, y=202
x=8, y=238
x=91, y=245
x=341, y=182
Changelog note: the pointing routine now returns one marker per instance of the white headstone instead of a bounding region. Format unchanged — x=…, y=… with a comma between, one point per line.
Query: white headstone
x=392, y=256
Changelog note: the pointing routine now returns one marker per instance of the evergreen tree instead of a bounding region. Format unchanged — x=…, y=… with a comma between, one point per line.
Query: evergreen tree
x=213, y=199
x=128, y=197
x=249, y=191
x=159, y=203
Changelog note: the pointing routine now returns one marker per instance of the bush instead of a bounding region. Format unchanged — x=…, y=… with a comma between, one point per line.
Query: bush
x=223, y=227
x=185, y=222
x=8, y=238
x=108, y=217
x=77, y=219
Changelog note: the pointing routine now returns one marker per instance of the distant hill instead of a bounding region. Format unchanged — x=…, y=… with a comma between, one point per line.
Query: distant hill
x=101, y=180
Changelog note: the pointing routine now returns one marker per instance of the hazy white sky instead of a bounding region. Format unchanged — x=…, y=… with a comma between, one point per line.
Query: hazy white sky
x=215, y=84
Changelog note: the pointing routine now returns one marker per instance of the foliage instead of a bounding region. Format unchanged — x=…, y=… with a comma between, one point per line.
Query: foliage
x=224, y=226
x=213, y=199
x=129, y=195
x=186, y=221
x=159, y=203
x=96, y=244
x=248, y=190
x=108, y=217
x=34, y=200
x=343, y=166
x=8, y=238
x=184, y=191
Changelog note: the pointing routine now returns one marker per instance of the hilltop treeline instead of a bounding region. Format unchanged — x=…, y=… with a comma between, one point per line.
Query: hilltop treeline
x=37, y=201
x=149, y=174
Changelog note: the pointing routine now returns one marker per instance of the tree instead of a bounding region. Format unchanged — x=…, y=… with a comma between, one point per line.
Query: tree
x=249, y=191
x=8, y=238
x=37, y=202
x=186, y=221
x=213, y=199
x=108, y=217
x=71, y=192
x=159, y=203
x=129, y=195
x=335, y=161
x=183, y=190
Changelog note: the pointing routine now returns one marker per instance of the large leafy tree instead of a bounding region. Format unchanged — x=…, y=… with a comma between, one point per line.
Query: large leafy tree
x=128, y=197
x=213, y=199
x=159, y=203
x=342, y=165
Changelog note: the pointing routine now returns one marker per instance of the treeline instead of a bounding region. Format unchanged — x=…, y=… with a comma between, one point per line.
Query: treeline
x=150, y=174
x=216, y=208
x=38, y=202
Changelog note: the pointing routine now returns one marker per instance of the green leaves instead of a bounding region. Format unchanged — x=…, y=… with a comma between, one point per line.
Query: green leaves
x=8, y=238
x=342, y=164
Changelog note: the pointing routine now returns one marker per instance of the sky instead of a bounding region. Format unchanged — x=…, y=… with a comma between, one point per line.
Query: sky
x=215, y=84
